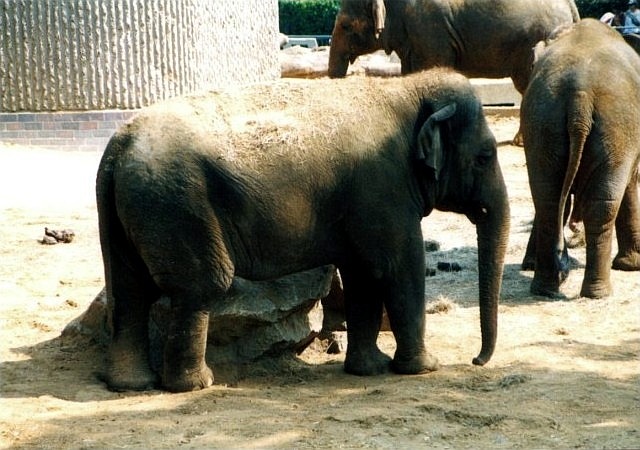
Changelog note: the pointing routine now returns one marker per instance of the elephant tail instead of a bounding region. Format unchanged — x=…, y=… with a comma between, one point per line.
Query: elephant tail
x=579, y=123
x=111, y=231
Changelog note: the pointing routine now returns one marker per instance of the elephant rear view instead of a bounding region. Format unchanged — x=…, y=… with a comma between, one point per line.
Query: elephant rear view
x=580, y=118
x=274, y=179
x=479, y=38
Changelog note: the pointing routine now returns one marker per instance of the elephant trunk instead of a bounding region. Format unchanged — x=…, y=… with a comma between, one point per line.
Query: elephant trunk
x=338, y=60
x=493, y=232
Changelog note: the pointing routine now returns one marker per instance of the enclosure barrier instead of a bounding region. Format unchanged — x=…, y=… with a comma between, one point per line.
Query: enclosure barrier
x=88, y=55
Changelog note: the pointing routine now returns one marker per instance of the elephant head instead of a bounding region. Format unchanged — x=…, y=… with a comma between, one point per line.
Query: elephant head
x=468, y=180
x=356, y=32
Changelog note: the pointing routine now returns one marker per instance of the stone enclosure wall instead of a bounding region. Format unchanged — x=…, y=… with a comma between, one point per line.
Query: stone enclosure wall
x=95, y=55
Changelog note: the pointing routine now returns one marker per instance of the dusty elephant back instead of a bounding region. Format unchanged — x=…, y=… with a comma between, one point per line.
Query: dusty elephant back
x=254, y=125
x=516, y=25
x=264, y=120
x=477, y=37
x=588, y=57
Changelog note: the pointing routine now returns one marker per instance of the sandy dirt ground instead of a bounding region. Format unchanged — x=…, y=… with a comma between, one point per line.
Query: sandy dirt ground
x=566, y=374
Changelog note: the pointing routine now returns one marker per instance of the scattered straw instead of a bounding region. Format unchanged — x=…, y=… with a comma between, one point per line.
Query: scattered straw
x=441, y=305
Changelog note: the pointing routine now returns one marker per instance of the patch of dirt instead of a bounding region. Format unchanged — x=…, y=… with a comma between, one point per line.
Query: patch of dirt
x=565, y=373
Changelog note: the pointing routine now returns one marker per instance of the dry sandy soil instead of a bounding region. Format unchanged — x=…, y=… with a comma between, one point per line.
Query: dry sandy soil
x=565, y=374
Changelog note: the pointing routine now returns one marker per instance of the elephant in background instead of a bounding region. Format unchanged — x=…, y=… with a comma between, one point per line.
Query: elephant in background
x=199, y=189
x=634, y=41
x=580, y=119
x=478, y=38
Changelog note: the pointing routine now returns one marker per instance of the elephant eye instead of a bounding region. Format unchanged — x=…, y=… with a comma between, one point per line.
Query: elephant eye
x=482, y=160
x=484, y=157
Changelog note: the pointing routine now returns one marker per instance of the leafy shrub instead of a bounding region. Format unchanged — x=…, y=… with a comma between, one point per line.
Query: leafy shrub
x=307, y=16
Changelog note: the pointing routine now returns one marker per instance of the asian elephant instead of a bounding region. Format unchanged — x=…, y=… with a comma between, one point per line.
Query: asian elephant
x=479, y=38
x=580, y=118
x=278, y=178
x=633, y=40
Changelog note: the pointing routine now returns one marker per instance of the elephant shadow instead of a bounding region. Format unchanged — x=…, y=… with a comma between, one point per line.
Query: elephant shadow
x=67, y=370
x=51, y=367
x=461, y=285
x=626, y=350
x=453, y=274
x=70, y=369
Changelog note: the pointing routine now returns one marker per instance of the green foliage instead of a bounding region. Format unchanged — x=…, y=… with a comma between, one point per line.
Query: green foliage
x=307, y=16
x=596, y=8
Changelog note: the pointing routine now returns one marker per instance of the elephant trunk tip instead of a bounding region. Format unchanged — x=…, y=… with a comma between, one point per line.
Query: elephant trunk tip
x=478, y=361
x=338, y=64
x=482, y=358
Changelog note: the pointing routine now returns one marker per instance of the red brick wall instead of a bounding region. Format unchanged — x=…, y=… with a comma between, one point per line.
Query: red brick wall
x=88, y=130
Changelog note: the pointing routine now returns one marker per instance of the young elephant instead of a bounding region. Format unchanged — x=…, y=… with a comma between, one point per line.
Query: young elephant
x=282, y=177
x=580, y=119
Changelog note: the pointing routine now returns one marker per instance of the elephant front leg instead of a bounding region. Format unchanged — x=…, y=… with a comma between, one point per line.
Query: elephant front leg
x=405, y=305
x=363, y=308
x=184, y=367
x=407, y=318
x=628, y=230
x=529, y=260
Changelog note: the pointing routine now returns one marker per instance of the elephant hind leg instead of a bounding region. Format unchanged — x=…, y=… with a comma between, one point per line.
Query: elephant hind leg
x=597, y=273
x=193, y=269
x=628, y=230
x=551, y=268
x=130, y=292
x=185, y=368
x=184, y=365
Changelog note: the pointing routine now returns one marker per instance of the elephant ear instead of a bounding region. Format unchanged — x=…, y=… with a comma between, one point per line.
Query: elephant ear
x=429, y=143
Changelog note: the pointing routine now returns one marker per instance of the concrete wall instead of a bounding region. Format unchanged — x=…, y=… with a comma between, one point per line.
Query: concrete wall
x=69, y=55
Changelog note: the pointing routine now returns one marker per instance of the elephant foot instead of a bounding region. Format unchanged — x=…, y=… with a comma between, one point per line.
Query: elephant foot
x=629, y=262
x=546, y=290
x=365, y=364
x=189, y=381
x=528, y=263
x=517, y=140
x=142, y=379
x=421, y=363
x=127, y=370
x=596, y=290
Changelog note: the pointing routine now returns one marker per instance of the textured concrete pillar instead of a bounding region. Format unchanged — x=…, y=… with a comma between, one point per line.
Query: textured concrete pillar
x=122, y=54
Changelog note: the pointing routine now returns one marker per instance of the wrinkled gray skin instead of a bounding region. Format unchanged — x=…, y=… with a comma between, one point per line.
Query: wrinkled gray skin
x=479, y=38
x=580, y=119
x=200, y=189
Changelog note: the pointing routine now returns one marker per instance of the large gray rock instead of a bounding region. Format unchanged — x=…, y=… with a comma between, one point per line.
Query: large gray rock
x=257, y=320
